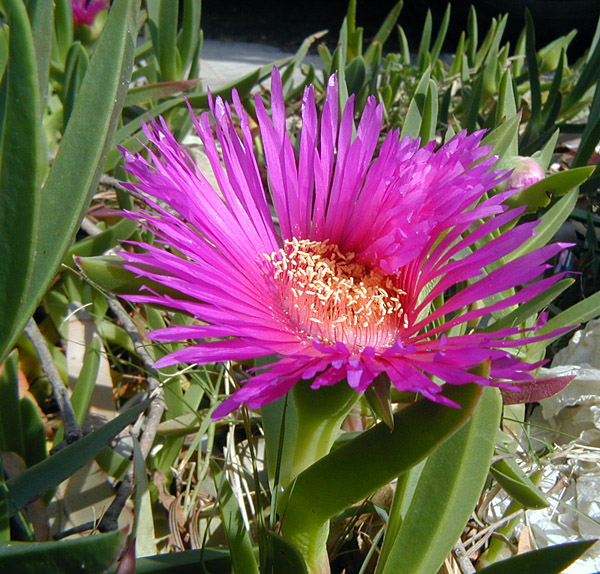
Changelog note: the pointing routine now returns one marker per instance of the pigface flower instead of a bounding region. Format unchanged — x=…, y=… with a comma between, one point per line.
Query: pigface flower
x=353, y=260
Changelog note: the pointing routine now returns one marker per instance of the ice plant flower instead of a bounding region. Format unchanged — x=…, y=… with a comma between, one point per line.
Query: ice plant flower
x=337, y=266
x=85, y=11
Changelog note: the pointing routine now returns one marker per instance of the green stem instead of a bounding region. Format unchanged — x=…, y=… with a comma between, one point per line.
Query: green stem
x=320, y=415
x=317, y=416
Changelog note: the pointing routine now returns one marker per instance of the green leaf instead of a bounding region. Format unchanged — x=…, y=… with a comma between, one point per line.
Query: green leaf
x=332, y=483
x=11, y=436
x=416, y=108
x=20, y=173
x=588, y=75
x=283, y=557
x=591, y=133
x=34, y=435
x=240, y=546
x=473, y=40
x=190, y=36
x=75, y=69
x=150, y=92
x=41, y=17
x=544, y=156
x=446, y=494
x=458, y=55
x=550, y=223
x=108, y=272
x=551, y=107
x=383, y=33
x=441, y=35
x=473, y=102
x=507, y=107
x=76, y=170
x=107, y=239
x=63, y=31
x=517, y=484
x=550, y=54
x=581, y=312
x=42, y=477
x=551, y=560
x=530, y=308
x=425, y=42
x=188, y=562
x=505, y=139
x=166, y=49
x=429, y=119
x=356, y=73
x=89, y=555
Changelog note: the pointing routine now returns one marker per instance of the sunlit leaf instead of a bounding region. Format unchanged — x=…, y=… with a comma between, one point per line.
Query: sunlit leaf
x=517, y=484
x=445, y=495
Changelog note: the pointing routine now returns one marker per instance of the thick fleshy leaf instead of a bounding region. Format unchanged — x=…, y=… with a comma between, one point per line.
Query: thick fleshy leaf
x=21, y=170
x=107, y=239
x=505, y=138
x=417, y=108
x=109, y=273
x=41, y=17
x=591, y=133
x=283, y=557
x=151, y=92
x=49, y=473
x=67, y=191
x=517, y=484
x=446, y=493
x=11, y=434
x=332, y=483
x=89, y=555
x=551, y=560
x=550, y=223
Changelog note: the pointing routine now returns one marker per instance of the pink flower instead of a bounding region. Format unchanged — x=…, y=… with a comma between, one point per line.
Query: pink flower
x=345, y=267
x=85, y=11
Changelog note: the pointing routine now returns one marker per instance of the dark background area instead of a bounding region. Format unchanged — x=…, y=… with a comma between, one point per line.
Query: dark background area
x=286, y=24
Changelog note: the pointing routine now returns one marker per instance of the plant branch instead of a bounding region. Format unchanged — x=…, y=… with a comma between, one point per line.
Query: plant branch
x=59, y=390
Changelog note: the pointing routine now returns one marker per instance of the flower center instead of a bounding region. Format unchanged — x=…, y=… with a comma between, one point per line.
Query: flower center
x=330, y=296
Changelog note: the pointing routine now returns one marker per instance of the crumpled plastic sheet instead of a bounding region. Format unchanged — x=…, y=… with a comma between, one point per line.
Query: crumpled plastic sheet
x=571, y=420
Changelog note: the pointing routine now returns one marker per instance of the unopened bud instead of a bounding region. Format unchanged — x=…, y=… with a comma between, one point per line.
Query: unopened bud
x=526, y=172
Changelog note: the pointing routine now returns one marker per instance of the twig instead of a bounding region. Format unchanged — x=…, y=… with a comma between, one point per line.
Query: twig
x=157, y=407
x=465, y=565
x=90, y=228
x=118, y=185
x=59, y=390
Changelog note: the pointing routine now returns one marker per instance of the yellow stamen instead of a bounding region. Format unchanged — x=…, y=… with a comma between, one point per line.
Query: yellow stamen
x=329, y=295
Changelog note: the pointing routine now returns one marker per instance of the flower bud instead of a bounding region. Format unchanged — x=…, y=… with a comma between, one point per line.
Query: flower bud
x=526, y=172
